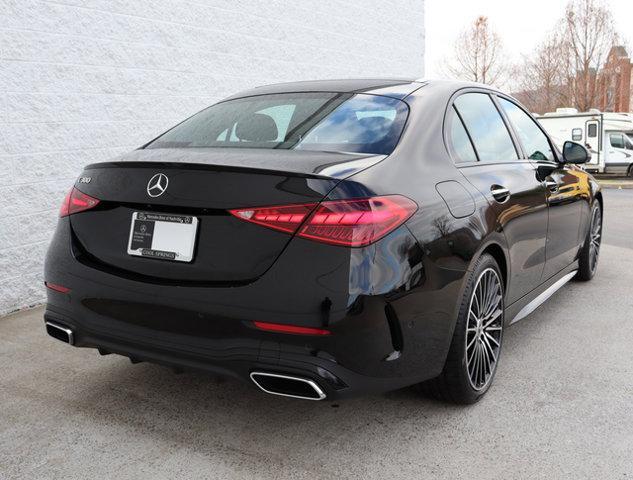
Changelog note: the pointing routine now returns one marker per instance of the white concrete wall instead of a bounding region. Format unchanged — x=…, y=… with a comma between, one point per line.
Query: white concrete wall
x=84, y=80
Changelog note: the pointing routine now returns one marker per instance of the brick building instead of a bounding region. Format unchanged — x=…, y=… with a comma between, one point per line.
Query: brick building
x=615, y=82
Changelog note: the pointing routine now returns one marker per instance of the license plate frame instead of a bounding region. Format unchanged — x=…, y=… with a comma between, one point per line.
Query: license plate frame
x=163, y=236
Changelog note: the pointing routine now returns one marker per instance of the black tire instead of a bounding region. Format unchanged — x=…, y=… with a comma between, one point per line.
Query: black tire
x=590, y=251
x=455, y=383
x=630, y=172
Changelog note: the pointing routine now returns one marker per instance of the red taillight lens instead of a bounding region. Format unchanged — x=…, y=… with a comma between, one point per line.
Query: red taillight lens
x=353, y=223
x=57, y=288
x=283, y=218
x=76, y=201
x=293, y=329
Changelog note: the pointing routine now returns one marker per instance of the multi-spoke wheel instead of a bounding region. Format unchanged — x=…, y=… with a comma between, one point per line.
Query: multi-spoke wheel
x=596, y=234
x=484, y=328
x=474, y=352
x=588, y=258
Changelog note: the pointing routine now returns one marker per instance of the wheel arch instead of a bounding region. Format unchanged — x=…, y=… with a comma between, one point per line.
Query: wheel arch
x=495, y=247
x=495, y=250
x=598, y=196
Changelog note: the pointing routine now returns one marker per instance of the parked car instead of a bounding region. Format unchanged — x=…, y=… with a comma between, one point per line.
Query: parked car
x=608, y=136
x=328, y=238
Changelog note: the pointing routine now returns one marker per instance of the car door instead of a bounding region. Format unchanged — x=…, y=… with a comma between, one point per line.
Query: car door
x=566, y=189
x=509, y=183
x=620, y=153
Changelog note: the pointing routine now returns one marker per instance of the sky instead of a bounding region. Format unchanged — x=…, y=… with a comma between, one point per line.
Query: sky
x=520, y=24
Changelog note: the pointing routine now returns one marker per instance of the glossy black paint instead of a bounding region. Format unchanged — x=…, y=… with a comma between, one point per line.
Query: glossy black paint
x=391, y=306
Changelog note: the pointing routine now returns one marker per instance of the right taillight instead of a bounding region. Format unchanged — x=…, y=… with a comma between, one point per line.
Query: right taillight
x=353, y=222
x=76, y=201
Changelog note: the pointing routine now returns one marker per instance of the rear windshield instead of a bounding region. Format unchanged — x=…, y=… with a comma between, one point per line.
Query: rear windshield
x=332, y=122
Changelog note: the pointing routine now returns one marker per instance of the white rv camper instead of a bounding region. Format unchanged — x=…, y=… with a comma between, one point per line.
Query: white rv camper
x=609, y=136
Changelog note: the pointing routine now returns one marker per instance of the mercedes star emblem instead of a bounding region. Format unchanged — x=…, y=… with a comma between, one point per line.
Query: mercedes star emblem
x=157, y=185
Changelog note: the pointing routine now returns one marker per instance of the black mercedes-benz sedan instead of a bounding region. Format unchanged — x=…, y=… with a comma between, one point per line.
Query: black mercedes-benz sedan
x=328, y=238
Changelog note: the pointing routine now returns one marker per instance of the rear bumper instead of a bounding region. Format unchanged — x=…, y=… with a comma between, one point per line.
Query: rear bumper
x=381, y=339
x=236, y=358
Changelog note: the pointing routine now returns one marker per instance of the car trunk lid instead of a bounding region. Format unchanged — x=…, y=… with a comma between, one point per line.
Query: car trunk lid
x=202, y=184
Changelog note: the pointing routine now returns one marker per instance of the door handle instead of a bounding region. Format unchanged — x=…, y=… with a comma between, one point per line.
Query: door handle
x=499, y=193
x=551, y=185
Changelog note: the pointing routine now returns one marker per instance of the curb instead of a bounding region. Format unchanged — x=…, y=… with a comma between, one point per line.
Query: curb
x=616, y=185
x=614, y=181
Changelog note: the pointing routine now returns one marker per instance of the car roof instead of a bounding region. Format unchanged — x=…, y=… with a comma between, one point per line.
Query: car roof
x=391, y=87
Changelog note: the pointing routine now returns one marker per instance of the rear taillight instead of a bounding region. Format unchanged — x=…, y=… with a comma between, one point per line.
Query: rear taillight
x=75, y=202
x=353, y=223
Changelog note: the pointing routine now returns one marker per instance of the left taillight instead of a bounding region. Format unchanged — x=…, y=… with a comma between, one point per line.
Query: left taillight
x=76, y=201
x=353, y=222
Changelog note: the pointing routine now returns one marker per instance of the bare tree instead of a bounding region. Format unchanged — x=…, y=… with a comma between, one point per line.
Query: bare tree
x=589, y=34
x=542, y=77
x=478, y=54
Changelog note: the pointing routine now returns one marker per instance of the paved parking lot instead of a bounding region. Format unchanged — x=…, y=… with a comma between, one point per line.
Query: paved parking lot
x=561, y=406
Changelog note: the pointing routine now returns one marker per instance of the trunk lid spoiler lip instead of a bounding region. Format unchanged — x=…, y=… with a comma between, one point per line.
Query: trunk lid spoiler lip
x=341, y=165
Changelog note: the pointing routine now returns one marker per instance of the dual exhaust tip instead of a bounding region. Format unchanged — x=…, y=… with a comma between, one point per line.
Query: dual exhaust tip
x=273, y=383
x=288, y=386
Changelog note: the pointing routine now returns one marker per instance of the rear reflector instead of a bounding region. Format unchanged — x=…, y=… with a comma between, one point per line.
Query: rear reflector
x=75, y=202
x=353, y=223
x=281, y=328
x=57, y=288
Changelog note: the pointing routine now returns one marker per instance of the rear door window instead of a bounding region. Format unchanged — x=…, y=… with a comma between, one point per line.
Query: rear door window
x=483, y=121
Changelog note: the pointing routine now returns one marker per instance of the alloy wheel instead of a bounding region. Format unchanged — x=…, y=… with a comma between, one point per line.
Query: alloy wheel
x=484, y=329
x=595, y=237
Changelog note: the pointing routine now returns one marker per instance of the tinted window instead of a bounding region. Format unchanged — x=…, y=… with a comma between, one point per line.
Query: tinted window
x=461, y=147
x=302, y=121
x=534, y=141
x=576, y=134
x=617, y=140
x=592, y=130
x=485, y=125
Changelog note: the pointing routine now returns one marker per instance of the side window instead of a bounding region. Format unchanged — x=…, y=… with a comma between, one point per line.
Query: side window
x=576, y=134
x=485, y=125
x=460, y=145
x=616, y=139
x=534, y=141
x=592, y=130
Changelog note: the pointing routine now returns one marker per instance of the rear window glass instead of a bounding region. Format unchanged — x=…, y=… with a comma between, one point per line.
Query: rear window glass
x=295, y=121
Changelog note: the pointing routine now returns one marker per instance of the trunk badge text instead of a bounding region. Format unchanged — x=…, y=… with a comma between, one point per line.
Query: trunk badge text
x=157, y=185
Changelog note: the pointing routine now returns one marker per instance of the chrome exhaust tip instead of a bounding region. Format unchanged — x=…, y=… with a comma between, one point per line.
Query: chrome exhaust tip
x=287, y=386
x=60, y=332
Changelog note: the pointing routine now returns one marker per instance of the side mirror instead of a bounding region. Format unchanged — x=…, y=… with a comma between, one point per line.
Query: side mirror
x=575, y=153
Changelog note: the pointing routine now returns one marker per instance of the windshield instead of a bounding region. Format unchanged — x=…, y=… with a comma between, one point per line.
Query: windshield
x=295, y=121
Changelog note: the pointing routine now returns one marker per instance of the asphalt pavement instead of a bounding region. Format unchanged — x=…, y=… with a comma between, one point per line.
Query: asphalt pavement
x=561, y=405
